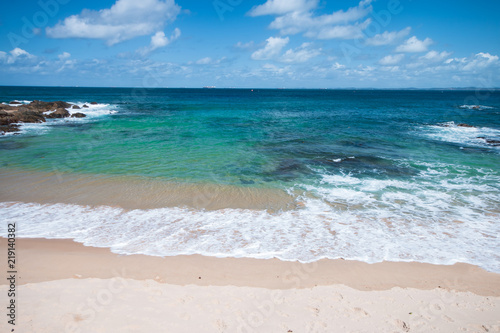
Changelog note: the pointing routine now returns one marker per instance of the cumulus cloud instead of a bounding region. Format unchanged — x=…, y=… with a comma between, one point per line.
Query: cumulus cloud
x=300, y=54
x=387, y=37
x=480, y=61
x=125, y=20
x=15, y=55
x=434, y=56
x=64, y=56
x=414, y=45
x=391, y=59
x=159, y=40
x=296, y=16
x=351, y=31
x=280, y=7
x=273, y=47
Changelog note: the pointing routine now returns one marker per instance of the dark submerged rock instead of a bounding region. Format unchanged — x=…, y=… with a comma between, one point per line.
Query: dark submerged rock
x=93, y=103
x=85, y=106
x=75, y=107
x=78, y=115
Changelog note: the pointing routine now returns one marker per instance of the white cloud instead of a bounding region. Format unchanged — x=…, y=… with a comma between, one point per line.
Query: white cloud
x=337, y=66
x=272, y=49
x=244, y=46
x=15, y=55
x=126, y=19
x=208, y=61
x=391, y=59
x=300, y=54
x=480, y=61
x=387, y=37
x=64, y=56
x=204, y=61
x=414, y=45
x=160, y=40
x=456, y=60
x=297, y=16
x=280, y=7
x=352, y=31
x=434, y=56
x=276, y=70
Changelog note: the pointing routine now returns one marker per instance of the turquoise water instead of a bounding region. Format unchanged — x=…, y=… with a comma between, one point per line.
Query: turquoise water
x=382, y=172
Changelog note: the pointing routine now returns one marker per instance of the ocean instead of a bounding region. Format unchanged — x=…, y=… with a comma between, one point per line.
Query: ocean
x=368, y=175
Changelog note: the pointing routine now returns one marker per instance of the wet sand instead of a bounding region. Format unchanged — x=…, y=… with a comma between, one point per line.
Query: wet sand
x=133, y=193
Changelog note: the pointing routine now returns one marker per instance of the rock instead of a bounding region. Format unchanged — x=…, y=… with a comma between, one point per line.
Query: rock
x=78, y=115
x=27, y=116
x=41, y=106
x=464, y=125
x=75, y=107
x=15, y=102
x=93, y=103
x=3, y=113
x=7, y=107
x=8, y=129
x=6, y=120
x=494, y=143
x=85, y=106
x=24, y=109
x=59, y=113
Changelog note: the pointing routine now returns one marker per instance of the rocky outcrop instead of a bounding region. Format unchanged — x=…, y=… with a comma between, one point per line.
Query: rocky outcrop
x=8, y=128
x=10, y=115
x=78, y=115
x=93, y=103
x=27, y=116
x=4, y=107
x=465, y=125
x=41, y=106
x=59, y=113
x=85, y=106
x=9, y=120
x=15, y=102
x=494, y=143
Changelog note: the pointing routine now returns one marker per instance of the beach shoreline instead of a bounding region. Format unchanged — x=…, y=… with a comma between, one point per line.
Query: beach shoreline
x=56, y=259
x=64, y=286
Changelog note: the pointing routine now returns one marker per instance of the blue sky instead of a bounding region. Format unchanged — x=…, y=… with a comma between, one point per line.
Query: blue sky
x=243, y=43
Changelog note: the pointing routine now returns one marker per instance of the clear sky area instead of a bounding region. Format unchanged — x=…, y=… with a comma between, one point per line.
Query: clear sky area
x=243, y=43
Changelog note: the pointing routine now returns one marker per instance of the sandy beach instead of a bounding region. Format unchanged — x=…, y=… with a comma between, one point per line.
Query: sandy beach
x=64, y=286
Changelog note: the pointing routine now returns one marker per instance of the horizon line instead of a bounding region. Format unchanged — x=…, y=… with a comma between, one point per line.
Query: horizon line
x=260, y=88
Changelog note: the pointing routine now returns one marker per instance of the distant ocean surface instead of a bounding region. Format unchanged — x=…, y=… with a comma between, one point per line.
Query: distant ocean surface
x=372, y=174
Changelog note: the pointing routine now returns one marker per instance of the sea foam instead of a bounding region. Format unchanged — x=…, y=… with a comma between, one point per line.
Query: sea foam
x=394, y=226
